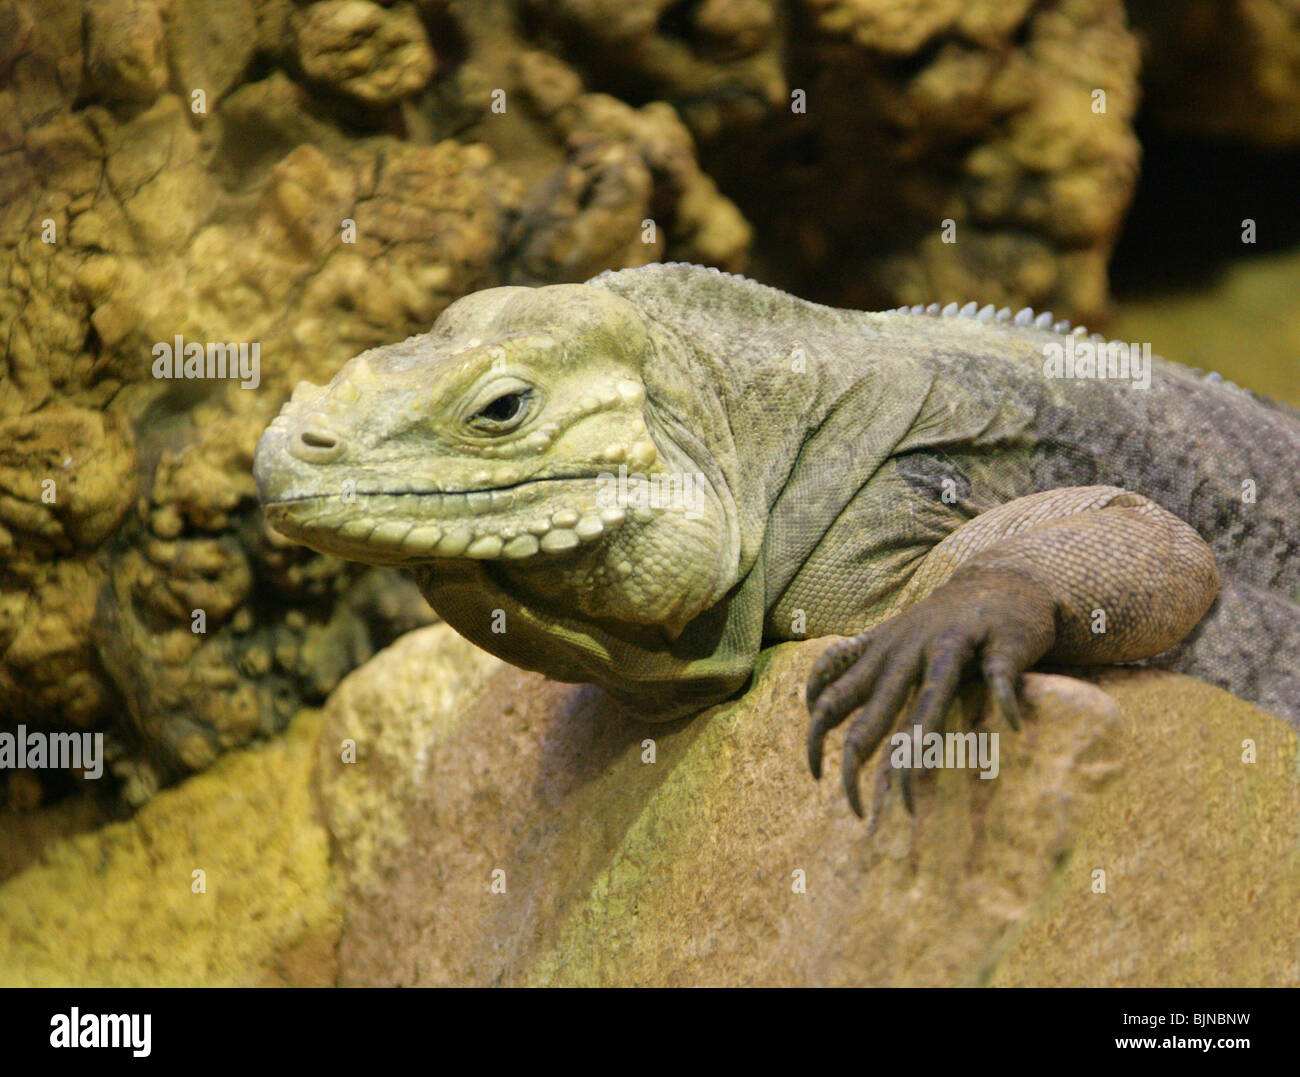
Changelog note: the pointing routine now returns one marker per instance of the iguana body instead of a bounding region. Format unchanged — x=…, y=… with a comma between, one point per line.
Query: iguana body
x=847, y=463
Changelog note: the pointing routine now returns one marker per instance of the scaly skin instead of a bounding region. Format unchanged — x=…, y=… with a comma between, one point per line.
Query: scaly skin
x=914, y=476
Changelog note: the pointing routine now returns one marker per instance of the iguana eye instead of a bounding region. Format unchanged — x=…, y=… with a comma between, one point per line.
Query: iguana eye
x=503, y=408
x=503, y=411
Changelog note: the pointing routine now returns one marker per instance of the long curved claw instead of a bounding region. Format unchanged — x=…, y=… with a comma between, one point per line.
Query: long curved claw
x=938, y=690
x=869, y=728
x=1001, y=679
x=838, y=698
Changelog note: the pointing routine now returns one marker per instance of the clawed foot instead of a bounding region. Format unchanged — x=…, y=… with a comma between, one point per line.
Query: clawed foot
x=996, y=618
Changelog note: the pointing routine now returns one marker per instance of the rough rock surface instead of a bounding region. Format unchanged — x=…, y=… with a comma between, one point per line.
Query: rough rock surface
x=118, y=907
x=852, y=130
x=682, y=871
x=374, y=54
x=274, y=176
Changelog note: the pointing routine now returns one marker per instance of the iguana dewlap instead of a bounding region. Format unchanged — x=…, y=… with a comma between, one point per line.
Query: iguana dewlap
x=641, y=480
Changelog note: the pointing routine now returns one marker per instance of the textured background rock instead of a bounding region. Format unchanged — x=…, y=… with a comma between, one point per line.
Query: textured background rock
x=680, y=872
x=116, y=907
x=374, y=54
x=226, y=223
x=976, y=111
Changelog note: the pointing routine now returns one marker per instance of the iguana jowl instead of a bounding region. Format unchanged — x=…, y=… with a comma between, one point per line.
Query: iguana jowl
x=914, y=476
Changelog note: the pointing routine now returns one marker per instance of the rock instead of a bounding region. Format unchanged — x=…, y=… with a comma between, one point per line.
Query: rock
x=721, y=59
x=263, y=122
x=599, y=209
x=1246, y=63
x=297, y=215
x=1200, y=850
x=682, y=870
x=899, y=27
x=687, y=869
x=126, y=56
x=211, y=45
x=118, y=906
x=377, y=55
x=49, y=660
x=896, y=152
x=67, y=478
x=28, y=832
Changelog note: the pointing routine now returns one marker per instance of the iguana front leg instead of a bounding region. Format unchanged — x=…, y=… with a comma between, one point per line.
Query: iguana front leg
x=1017, y=584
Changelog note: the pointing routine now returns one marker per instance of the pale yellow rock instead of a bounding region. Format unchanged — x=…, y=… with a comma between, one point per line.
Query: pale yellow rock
x=116, y=907
x=377, y=55
x=1200, y=850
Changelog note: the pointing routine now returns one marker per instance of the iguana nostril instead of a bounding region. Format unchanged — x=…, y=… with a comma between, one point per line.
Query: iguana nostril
x=316, y=444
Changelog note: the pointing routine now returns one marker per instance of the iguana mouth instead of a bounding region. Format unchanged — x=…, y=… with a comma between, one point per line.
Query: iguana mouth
x=505, y=522
x=492, y=492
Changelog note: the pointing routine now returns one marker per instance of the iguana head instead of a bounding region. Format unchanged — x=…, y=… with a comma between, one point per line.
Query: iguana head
x=500, y=437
